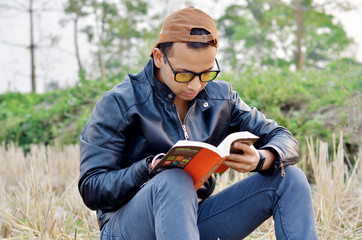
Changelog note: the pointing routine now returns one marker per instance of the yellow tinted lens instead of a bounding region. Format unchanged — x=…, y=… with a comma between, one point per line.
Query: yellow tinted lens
x=183, y=77
x=208, y=76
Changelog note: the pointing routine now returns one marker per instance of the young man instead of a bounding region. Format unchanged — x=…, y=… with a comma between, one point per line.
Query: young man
x=174, y=98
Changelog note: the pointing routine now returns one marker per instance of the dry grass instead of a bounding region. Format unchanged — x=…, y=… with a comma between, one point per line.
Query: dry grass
x=39, y=198
x=39, y=195
x=337, y=192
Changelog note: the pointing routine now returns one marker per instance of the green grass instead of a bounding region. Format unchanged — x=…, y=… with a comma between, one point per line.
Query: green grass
x=310, y=103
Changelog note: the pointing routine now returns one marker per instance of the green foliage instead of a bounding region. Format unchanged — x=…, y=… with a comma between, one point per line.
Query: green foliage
x=311, y=103
x=44, y=118
x=253, y=33
x=263, y=33
x=118, y=25
x=75, y=7
x=324, y=39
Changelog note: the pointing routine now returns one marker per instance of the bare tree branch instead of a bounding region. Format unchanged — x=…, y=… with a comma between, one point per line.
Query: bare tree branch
x=9, y=7
x=299, y=23
x=20, y=4
x=24, y=8
x=13, y=44
x=32, y=47
x=46, y=10
x=341, y=5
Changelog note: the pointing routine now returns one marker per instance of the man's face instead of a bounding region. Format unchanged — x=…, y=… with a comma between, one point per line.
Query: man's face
x=183, y=58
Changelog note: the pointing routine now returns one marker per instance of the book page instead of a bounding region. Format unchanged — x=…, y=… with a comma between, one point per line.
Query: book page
x=188, y=143
x=244, y=136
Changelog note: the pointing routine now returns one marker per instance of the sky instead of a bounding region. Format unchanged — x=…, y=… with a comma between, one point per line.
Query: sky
x=57, y=62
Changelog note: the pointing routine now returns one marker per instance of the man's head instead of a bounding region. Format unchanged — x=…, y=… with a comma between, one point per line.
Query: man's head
x=187, y=43
x=189, y=25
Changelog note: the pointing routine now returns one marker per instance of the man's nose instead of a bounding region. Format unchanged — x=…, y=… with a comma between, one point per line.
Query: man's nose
x=195, y=83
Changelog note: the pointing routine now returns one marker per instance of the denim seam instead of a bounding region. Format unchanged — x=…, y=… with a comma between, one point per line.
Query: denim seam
x=284, y=225
x=162, y=224
x=239, y=201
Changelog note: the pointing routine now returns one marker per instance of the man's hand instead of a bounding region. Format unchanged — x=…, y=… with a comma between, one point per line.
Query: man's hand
x=249, y=160
x=151, y=166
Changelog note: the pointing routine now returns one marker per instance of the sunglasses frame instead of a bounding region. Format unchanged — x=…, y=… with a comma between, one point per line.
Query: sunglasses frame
x=193, y=73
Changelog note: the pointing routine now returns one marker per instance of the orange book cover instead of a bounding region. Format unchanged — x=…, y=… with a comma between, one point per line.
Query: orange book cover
x=203, y=165
x=200, y=159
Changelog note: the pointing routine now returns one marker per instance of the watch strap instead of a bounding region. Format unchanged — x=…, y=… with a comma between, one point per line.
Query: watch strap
x=260, y=165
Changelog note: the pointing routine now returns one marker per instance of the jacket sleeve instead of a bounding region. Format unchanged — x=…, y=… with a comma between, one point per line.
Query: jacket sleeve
x=104, y=182
x=273, y=137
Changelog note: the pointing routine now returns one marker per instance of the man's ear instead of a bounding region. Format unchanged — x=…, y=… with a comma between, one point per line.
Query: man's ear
x=157, y=57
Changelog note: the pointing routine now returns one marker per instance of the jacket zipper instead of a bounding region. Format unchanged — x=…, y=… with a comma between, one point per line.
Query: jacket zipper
x=185, y=132
x=183, y=126
x=282, y=167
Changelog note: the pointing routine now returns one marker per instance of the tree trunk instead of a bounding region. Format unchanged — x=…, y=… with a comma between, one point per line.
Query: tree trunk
x=99, y=35
x=80, y=66
x=299, y=20
x=32, y=48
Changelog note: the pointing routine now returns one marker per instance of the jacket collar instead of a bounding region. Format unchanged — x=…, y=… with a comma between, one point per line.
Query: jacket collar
x=166, y=94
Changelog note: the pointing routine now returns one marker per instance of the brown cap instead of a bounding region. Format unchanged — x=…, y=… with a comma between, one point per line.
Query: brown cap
x=177, y=27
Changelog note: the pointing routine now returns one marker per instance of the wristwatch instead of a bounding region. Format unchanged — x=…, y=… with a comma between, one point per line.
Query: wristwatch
x=260, y=164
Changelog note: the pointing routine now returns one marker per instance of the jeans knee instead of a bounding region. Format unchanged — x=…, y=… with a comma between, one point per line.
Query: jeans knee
x=175, y=180
x=297, y=178
x=175, y=175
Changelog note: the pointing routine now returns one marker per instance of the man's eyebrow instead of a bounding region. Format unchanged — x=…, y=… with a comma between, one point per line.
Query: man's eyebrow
x=186, y=70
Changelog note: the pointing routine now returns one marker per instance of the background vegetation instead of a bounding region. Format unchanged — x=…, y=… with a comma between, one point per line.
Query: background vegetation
x=314, y=103
x=288, y=67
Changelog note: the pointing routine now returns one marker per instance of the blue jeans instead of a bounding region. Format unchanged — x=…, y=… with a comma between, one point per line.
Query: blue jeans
x=167, y=208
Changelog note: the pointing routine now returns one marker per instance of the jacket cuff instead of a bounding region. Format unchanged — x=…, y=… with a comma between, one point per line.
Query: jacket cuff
x=275, y=167
x=148, y=160
x=141, y=168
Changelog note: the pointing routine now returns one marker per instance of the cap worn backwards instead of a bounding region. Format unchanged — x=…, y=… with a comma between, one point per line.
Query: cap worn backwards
x=177, y=27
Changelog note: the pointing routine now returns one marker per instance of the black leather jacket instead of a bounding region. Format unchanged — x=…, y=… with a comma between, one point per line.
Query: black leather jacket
x=138, y=118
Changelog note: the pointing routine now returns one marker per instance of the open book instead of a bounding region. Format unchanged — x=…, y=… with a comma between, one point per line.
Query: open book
x=201, y=159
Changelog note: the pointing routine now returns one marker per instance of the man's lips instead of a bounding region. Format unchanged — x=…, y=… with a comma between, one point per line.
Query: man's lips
x=190, y=94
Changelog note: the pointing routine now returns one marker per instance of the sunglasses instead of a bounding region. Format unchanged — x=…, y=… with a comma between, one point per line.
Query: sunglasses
x=187, y=76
